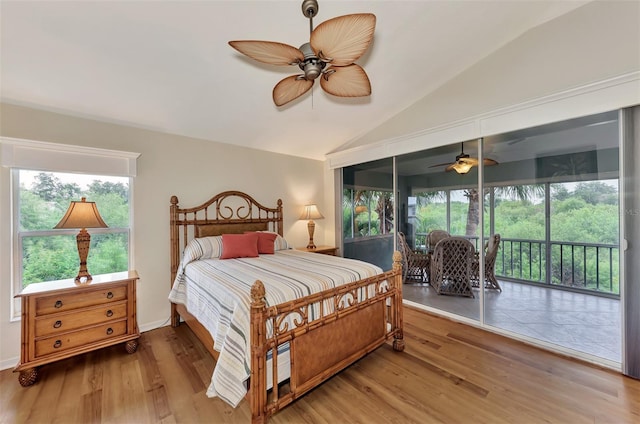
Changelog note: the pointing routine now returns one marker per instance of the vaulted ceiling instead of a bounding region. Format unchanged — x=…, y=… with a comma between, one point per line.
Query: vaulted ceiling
x=166, y=65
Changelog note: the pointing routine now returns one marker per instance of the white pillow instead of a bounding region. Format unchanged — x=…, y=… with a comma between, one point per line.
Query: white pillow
x=280, y=243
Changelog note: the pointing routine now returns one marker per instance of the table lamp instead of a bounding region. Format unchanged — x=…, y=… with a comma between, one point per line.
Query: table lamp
x=82, y=215
x=311, y=212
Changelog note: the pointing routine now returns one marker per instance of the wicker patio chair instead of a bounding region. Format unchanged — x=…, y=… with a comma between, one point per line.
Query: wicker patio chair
x=434, y=237
x=415, y=266
x=451, y=266
x=491, y=252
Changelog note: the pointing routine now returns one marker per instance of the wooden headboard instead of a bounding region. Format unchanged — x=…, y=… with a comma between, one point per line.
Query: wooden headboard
x=225, y=213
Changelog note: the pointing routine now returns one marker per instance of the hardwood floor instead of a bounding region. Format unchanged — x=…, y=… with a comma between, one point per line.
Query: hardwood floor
x=448, y=373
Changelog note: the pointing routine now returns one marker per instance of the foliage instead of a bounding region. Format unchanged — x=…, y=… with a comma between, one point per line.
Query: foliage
x=50, y=188
x=596, y=193
x=366, y=213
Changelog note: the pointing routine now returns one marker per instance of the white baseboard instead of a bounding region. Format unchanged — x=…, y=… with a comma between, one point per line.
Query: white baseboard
x=153, y=325
x=11, y=362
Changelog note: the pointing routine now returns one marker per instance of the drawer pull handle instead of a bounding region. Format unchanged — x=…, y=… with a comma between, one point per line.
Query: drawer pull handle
x=110, y=295
x=57, y=324
x=58, y=304
x=109, y=313
x=57, y=344
x=109, y=331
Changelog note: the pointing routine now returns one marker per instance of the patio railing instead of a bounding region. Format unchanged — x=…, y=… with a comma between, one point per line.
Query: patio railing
x=591, y=267
x=584, y=266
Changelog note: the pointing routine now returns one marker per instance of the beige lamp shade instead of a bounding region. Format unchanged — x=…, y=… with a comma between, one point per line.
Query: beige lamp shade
x=311, y=212
x=82, y=215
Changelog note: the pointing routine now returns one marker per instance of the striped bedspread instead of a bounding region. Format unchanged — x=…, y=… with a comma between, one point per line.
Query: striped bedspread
x=217, y=293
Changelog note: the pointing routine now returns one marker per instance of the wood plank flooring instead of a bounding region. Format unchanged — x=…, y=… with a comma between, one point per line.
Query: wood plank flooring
x=449, y=373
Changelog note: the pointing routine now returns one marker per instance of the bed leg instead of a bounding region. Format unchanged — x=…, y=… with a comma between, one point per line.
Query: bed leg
x=398, y=341
x=175, y=316
x=398, y=337
x=258, y=382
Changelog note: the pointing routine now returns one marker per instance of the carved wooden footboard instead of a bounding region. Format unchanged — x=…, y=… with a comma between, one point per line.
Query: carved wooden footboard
x=354, y=320
x=348, y=321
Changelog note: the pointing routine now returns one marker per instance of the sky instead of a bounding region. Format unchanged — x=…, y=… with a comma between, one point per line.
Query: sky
x=83, y=180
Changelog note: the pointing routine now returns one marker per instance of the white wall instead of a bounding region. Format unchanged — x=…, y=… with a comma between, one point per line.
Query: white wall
x=594, y=43
x=169, y=165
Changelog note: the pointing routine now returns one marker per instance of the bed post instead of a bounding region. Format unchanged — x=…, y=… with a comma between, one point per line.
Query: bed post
x=175, y=253
x=280, y=229
x=258, y=380
x=398, y=336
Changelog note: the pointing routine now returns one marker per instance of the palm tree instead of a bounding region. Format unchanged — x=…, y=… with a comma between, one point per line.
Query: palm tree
x=520, y=192
x=355, y=202
x=384, y=208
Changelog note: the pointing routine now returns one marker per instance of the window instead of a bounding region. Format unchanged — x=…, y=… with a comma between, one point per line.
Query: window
x=45, y=254
x=45, y=178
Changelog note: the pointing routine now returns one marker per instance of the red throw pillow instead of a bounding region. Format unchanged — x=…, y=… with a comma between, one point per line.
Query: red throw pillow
x=239, y=246
x=265, y=242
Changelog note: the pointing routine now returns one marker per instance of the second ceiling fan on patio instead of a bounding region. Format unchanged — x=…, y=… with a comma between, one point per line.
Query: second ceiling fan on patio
x=464, y=162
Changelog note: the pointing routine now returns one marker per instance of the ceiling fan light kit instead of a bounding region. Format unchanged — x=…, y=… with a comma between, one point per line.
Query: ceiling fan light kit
x=461, y=167
x=330, y=54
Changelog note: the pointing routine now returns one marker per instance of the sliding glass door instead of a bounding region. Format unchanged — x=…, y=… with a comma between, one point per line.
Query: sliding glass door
x=438, y=199
x=541, y=208
x=555, y=204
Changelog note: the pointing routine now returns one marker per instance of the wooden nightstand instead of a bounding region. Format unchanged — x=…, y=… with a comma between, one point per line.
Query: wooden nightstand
x=61, y=319
x=325, y=250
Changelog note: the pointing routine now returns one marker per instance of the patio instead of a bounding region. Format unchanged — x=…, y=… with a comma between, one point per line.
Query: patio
x=577, y=321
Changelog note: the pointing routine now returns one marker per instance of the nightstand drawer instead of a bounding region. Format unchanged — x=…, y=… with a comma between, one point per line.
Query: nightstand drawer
x=63, y=322
x=65, y=302
x=80, y=338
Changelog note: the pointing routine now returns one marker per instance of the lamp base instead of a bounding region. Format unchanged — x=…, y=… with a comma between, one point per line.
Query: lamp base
x=83, y=239
x=83, y=278
x=311, y=226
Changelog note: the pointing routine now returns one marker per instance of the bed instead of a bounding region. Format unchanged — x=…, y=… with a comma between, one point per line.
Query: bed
x=279, y=323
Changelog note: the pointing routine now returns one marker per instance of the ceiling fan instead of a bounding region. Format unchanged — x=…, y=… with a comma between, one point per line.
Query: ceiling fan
x=330, y=54
x=464, y=162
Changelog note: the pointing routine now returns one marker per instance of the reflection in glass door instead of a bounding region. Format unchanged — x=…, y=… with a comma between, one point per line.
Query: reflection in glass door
x=368, y=212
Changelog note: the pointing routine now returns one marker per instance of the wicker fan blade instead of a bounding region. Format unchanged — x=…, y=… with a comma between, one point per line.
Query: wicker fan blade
x=269, y=52
x=344, y=39
x=346, y=81
x=290, y=89
x=489, y=162
x=440, y=164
